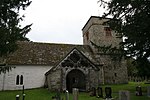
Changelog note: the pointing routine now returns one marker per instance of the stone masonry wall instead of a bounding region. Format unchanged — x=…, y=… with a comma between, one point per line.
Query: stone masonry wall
x=54, y=80
x=96, y=33
x=113, y=71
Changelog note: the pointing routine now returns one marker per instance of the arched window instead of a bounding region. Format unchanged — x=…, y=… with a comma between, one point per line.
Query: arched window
x=17, y=80
x=21, y=80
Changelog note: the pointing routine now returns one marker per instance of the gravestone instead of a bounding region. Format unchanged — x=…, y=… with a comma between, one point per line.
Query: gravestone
x=148, y=91
x=138, y=91
x=66, y=95
x=99, y=92
x=93, y=91
x=108, y=92
x=75, y=93
x=124, y=95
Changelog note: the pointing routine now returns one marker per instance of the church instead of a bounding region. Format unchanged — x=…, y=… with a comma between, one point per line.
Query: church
x=67, y=66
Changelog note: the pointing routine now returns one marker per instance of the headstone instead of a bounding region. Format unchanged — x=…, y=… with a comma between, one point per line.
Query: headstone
x=108, y=92
x=99, y=92
x=138, y=91
x=75, y=93
x=93, y=92
x=124, y=95
x=67, y=95
x=148, y=91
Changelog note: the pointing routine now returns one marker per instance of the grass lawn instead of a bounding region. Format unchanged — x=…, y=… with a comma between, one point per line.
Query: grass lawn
x=44, y=94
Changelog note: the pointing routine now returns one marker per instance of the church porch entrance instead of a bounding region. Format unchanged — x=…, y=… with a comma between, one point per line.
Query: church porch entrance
x=75, y=79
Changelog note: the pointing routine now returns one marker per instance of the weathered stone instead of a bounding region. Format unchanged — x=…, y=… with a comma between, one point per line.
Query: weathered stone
x=93, y=91
x=99, y=92
x=138, y=91
x=66, y=95
x=108, y=92
x=75, y=93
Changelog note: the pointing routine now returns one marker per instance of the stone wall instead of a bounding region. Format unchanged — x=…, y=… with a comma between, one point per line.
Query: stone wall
x=57, y=78
x=96, y=33
x=54, y=80
x=112, y=71
x=115, y=71
x=94, y=78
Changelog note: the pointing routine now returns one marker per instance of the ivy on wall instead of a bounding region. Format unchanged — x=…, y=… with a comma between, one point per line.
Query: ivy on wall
x=114, y=52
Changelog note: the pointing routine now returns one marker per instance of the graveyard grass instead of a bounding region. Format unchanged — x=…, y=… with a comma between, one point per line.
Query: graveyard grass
x=44, y=94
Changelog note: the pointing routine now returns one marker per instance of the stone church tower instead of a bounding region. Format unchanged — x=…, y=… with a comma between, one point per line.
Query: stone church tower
x=100, y=34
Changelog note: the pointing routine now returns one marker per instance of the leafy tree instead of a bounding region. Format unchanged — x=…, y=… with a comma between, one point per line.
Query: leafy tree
x=131, y=67
x=133, y=18
x=10, y=29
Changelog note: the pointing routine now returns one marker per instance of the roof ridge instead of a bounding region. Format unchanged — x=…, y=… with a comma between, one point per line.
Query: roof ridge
x=20, y=42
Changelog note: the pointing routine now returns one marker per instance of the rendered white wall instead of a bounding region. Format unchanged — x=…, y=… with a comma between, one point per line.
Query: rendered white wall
x=33, y=77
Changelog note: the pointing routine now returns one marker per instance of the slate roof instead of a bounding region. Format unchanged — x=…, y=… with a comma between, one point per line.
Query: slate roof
x=34, y=53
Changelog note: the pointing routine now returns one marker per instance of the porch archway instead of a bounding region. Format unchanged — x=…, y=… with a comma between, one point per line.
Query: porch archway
x=75, y=79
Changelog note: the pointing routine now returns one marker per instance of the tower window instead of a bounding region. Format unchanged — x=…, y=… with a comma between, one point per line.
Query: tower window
x=107, y=31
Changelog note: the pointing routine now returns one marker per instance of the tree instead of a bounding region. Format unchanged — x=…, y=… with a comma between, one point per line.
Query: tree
x=10, y=29
x=133, y=18
x=131, y=67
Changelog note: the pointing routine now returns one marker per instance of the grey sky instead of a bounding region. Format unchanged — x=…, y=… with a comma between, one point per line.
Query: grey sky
x=59, y=21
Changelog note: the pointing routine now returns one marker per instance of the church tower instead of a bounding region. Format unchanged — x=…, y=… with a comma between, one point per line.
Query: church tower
x=97, y=33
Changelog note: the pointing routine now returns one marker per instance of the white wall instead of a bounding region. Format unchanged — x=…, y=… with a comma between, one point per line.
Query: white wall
x=33, y=77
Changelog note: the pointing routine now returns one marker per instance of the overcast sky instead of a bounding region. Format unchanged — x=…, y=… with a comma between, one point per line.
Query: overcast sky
x=59, y=21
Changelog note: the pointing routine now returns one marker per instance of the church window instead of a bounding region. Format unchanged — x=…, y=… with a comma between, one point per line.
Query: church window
x=21, y=80
x=17, y=80
x=107, y=31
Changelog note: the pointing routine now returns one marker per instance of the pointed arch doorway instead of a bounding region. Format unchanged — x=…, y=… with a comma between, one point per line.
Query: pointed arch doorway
x=75, y=79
